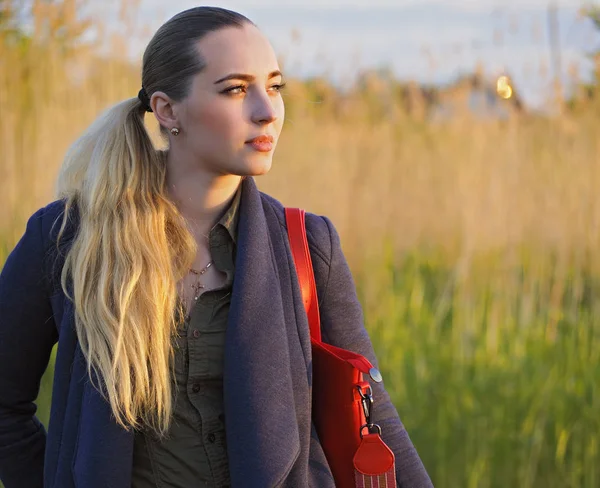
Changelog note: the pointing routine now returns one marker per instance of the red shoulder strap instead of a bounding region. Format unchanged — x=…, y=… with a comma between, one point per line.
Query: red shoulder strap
x=299, y=245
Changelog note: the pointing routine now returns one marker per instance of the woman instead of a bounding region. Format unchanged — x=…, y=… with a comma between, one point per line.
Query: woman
x=170, y=372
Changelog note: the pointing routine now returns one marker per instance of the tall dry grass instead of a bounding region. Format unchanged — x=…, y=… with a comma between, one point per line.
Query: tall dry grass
x=473, y=245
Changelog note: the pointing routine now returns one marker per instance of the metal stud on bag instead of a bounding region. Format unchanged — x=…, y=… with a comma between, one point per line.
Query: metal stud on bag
x=375, y=375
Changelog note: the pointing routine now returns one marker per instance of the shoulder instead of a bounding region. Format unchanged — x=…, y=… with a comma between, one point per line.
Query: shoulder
x=39, y=223
x=34, y=248
x=41, y=236
x=319, y=228
x=50, y=220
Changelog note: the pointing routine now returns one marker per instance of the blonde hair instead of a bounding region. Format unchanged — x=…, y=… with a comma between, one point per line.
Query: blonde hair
x=132, y=245
x=131, y=248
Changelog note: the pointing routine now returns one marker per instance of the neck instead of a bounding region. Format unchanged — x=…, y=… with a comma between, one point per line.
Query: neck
x=201, y=197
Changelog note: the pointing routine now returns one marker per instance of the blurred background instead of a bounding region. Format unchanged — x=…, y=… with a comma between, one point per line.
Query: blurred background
x=453, y=143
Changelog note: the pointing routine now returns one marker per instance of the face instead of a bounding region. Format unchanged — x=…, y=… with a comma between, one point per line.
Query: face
x=232, y=102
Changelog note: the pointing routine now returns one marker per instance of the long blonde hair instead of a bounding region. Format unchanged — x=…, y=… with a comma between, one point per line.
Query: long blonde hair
x=132, y=245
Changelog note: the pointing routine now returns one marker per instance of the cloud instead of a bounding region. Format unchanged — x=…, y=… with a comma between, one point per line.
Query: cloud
x=507, y=5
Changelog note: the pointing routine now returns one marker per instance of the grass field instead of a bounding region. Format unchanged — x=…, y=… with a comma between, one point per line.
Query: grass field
x=473, y=245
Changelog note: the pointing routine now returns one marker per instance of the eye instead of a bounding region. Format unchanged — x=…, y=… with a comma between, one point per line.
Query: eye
x=279, y=87
x=235, y=90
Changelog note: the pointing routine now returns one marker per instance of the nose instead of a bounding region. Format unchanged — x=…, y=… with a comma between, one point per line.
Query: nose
x=263, y=112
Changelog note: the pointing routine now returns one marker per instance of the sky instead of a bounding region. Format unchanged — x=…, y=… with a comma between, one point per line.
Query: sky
x=430, y=41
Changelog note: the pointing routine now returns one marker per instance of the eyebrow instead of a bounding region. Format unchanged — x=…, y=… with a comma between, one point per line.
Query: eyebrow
x=244, y=77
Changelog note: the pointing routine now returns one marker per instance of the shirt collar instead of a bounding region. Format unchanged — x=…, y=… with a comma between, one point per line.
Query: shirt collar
x=231, y=217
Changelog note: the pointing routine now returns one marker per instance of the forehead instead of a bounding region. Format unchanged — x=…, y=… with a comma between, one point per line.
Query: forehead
x=237, y=50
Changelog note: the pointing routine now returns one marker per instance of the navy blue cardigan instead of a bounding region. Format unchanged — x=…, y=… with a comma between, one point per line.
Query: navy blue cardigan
x=267, y=378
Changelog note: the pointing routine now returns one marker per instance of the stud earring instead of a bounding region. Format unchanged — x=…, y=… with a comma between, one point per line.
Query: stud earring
x=175, y=131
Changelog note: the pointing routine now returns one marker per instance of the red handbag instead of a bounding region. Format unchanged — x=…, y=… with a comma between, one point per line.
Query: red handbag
x=342, y=398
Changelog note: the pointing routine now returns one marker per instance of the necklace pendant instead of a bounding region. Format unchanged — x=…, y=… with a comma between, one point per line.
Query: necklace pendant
x=197, y=287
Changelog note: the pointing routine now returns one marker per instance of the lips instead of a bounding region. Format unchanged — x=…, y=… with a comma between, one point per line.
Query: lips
x=263, y=144
x=261, y=140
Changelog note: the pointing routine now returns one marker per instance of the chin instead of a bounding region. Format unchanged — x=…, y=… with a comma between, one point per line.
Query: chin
x=256, y=166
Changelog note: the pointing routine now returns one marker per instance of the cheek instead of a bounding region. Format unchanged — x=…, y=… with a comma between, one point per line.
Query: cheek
x=215, y=123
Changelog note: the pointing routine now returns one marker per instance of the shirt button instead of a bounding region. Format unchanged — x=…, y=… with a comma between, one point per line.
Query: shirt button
x=196, y=387
x=196, y=333
x=212, y=438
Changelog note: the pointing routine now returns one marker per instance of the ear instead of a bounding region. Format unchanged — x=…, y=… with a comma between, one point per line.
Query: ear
x=162, y=107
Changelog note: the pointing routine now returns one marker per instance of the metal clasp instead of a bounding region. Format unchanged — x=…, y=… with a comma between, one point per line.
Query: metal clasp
x=367, y=402
x=367, y=405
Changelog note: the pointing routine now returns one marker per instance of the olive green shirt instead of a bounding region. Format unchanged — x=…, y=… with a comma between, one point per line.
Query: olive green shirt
x=194, y=454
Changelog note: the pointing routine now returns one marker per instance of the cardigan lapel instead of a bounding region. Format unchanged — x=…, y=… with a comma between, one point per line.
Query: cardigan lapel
x=261, y=422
